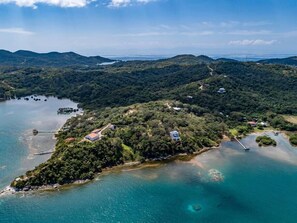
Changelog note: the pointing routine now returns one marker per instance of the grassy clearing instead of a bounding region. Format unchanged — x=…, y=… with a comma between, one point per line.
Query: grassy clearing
x=234, y=132
x=128, y=153
x=291, y=118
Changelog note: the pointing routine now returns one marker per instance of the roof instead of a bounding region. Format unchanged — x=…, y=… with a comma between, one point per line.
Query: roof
x=92, y=135
x=70, y=139
x=252, y=123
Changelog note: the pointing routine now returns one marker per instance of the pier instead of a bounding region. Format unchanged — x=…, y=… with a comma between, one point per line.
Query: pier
x=240, y=143
x=36, y=132
x=44, y=153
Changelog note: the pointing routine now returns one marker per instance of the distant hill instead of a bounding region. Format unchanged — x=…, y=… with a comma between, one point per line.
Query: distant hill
x=292, y=61
x=188, y=59
x=25, y=58
x=226, y=60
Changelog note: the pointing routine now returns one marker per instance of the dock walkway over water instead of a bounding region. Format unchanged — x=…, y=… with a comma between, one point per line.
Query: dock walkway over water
x=240, y=143
x=44, y=153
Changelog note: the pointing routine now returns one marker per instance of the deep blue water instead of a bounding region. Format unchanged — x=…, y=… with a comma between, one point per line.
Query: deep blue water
x=257, y=186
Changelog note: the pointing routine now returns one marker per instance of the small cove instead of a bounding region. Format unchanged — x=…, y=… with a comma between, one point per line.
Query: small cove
x=18, y=119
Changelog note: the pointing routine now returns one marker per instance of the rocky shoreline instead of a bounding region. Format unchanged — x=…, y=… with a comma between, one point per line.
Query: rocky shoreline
x=130, y=165
x=137, y=164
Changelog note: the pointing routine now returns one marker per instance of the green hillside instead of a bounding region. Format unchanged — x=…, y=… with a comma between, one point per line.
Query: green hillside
x=142, y=132
x=24, y=58
x=147, y=100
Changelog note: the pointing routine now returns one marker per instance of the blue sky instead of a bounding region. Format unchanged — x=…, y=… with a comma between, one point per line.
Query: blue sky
x=150, y=27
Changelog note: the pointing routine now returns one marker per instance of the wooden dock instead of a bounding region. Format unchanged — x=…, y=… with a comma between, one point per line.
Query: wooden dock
x=36, y=132
x=43, y=153
x=243, y=146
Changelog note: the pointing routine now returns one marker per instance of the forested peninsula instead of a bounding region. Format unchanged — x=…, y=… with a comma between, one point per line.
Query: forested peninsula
x=152, y=110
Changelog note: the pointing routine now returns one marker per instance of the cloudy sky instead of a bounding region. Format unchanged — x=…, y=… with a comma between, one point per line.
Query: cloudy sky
x=150, y=27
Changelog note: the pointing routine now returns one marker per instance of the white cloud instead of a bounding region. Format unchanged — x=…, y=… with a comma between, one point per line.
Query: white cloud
x=74, y=3
x=124, y=3
x=257, y=42
x=60, y=3
x=234, y=24
x=248, y=32
x=173, y=33
x=20, y=31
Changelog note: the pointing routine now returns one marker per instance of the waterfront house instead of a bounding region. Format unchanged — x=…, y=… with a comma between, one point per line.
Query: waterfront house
x=92, y=137
x=175, y=135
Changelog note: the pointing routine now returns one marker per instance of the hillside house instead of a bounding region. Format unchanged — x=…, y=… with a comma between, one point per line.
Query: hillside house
x=176, y=108
x=92, y=137
x=252, y=123
x=175, y=135
x=222, y=91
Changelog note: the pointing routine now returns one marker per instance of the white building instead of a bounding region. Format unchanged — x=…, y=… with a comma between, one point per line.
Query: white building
x=175, y=135
x=222, y=90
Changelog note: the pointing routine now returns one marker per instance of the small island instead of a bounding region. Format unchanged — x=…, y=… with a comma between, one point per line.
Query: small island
x=265, y=141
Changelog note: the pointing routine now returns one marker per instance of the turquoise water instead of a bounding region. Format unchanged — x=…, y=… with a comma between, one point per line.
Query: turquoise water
x=257, y=186
x=17, y=144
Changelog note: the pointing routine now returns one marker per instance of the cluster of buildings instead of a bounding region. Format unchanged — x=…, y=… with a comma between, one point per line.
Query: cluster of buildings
x=255, y=124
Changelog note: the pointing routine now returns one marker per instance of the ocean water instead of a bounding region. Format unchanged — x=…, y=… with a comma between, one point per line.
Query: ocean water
x=17, y=144
x=255, y=186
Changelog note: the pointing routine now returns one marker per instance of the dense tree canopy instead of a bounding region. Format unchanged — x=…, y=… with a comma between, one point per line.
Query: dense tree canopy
x=139, y=98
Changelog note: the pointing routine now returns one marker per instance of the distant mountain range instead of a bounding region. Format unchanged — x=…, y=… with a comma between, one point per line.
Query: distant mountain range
x=25, y=58
x=292, y=61
x=188, y=59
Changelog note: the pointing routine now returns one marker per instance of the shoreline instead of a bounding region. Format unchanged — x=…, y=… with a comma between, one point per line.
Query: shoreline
x=35, y=145
x=129, y=166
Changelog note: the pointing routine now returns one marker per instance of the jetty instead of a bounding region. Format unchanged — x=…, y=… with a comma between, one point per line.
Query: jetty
x=36, y=132
x=44, y=152
x=67, y=110
x=243, y=146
